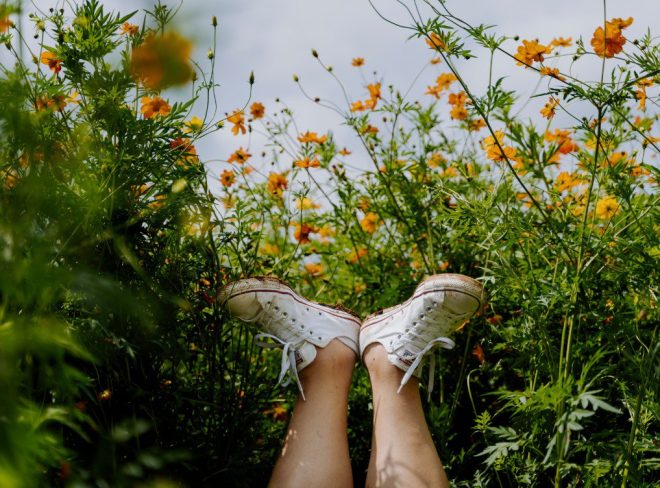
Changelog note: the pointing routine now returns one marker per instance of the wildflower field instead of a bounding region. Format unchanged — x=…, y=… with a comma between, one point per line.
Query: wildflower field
x=118, y=368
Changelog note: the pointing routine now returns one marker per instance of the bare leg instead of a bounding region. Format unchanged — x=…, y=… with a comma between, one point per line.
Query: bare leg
x=315, y=451
x=402, y=450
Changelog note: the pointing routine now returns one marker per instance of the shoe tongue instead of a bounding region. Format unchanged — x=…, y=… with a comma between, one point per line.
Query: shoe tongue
x=305, y=355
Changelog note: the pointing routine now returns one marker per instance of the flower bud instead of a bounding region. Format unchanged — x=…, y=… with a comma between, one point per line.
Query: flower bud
x=214, y=21
x=315, y=53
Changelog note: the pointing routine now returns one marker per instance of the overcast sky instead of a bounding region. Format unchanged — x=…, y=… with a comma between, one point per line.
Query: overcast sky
x=274, y=38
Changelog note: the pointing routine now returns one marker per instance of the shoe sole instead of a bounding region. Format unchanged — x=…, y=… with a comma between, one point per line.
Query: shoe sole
x=275, y=285
x=436, y=283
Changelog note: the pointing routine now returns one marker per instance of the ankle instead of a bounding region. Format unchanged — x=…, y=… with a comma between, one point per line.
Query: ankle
x=334, y=359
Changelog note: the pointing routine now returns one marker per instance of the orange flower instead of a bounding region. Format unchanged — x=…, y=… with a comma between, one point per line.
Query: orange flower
x=357, y=62
x=315, y=269
x=312, y=137
x=640, y=93
x=277, y=183
x=129, y=29
x=187, y=150
x=358, y=106
x=238, y=119
x=548, y=111
x=344, y=152
x=554, y=72
x=444, y=80
x=374, y=91
x=435, y=160
x=530, y=51
x=370, y=222
x=563, y=140
x=562, y=42
x=162, y=61
x=239, y=156
x=622, y=24
x=459, y=98
x=478, y=352
x=476, y=125
x=609, y=41
x=306, y=163
x=227, y=178
x=154, y=106
x=369, y=130
x=302, y=232
x=257, y=110
x=5, y=24
x=493, y=151
x=436, y=61
x=53, y=62
x=435, y=42
x=355, y=256
x=458, y=112
x=564, y=181
x=56, y=102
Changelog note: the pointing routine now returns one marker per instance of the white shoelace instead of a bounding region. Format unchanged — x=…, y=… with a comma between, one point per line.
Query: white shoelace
x=445, y=343
x=288, y=364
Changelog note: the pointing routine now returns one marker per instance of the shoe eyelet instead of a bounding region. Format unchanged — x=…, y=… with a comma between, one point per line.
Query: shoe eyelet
x=320, y=313
x=311, y=332
x=428, y=309
x=276, y=307
x=286, y=314
x=421, y=316
x=320, y=338
x=307, y=308
x=414, y=323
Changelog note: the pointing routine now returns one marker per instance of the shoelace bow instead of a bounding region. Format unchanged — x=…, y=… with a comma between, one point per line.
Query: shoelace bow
x=445, y=343
x=288, y=363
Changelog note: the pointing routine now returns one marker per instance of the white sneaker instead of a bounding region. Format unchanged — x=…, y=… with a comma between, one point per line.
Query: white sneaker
x=295, y=323
x=408, y=331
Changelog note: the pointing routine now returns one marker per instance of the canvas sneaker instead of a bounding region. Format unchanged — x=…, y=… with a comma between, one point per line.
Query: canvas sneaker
x=294, y=323
x=410, y=330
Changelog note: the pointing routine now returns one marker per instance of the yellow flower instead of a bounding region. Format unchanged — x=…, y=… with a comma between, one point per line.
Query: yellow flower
x=312, y=137
x=195, y=124
x=548, y=111
x=270, y=249
x=357, y=62
x=444, y=80
x=227, y=178
x=370, y=222
x=326, y=231
x=530, y=51
x=436, y=61
x=607, y=208
x=53, y=62
x=609, y=41
x=344, y=152
x=154, y=106
x=315, y=269
x=238, y=120
x=257, y=110
x=239, y=156
x=162, y=61
x=304, y=203
x=277, y=183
